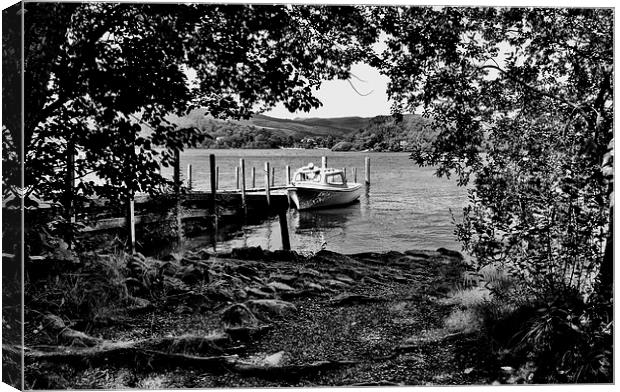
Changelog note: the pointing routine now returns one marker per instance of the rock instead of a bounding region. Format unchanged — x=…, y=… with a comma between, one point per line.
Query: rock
x=273, y=359
x=315, y=286
x=175, y=285
x=279, y=286
x=335, y=283
x=173, y=256
x=331, y=258
x=219, y=293
x=344, y=278
x=203, y=254
x=368, y=279
x=137, y=304
x=238, y=315
x=252, y=291
x=283, y=278
x=247, y=270
x=193, y=275
x=311, y=272
x=419, y=254
x=282, y=255
x=249, y=253
x=450, y=253
x=267, y=308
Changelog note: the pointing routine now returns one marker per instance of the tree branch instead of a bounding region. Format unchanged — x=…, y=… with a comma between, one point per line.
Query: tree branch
x=532, y=88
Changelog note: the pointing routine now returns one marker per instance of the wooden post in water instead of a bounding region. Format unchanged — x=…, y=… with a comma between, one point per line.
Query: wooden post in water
x=273, y=176
x=355, y=174
x=344, y=172
x=213, y=171
x=242, y=166
x=288, y=181
x=323, y=162
x=367, y=170
x=237, y=177
x=286, y=242
x=267, y=190
x=253, y=177
x=189, y=176
x=217, y=177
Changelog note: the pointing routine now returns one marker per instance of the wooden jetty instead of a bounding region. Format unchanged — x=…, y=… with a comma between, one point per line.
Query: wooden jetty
x=186, y=203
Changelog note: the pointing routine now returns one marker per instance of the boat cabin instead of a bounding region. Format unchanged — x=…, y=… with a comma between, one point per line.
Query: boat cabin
x=317, y=175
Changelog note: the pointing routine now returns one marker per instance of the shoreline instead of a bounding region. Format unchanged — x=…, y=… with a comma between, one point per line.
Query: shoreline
x=262, y=319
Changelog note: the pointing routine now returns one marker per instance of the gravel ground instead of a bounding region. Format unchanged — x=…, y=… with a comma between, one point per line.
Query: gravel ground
x=392, y=333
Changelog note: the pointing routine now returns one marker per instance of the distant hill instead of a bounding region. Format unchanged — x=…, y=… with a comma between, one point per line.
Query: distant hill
x=380, y=133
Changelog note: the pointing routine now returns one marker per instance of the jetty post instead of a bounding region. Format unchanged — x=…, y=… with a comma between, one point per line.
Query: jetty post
x=367, y=170
x=131, y=220
x=355, y=174
x=189, y=176
x=242, y=167
x=213, y=170
x=288, y=174
x=344, y=172
x=323, y=162
x=217, y=177
x=273, y=176
x=237, y=177
x=253, y=177
x=286, y=242
x=267, y=190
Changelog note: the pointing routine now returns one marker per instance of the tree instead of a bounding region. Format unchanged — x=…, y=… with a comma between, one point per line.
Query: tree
x=103, y=78
x=533, y=88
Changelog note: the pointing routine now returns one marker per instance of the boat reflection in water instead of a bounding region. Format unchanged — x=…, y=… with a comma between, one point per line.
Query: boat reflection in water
x=312, y=230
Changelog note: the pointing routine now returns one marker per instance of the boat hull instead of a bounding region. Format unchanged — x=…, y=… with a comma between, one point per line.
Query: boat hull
x=320, y=197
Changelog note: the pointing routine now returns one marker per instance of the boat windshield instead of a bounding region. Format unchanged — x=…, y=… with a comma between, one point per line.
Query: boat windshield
x=335, y=179
x=308, y=176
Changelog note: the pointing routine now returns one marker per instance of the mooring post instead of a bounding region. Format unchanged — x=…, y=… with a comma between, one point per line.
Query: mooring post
x=237, y=177
x=323, y=162
x=267, y=190
x=213, y=170
x=288, y=182
x=355, y=174
x=131, y=222
x=367, y=170
x=217, y=177
x=344, y=172
x=189, y=176
x=242, y=166
x=286, y=242
x=253, y=177
x=273, y=176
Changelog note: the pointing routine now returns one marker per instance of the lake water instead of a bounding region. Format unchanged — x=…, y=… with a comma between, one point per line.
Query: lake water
x=405, y=207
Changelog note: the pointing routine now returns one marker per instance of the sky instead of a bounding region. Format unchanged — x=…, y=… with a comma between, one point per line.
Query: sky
x=341, y=100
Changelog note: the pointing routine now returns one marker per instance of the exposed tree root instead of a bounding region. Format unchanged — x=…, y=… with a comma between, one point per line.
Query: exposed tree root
x=287, y=371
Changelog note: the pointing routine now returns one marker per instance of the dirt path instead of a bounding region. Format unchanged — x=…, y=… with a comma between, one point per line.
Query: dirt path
x=279, y=319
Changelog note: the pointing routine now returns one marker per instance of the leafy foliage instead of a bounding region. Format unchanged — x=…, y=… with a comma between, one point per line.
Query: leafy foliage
x=532, y=88
x=100, y=73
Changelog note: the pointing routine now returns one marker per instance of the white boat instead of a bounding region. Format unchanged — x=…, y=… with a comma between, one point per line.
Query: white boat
x=315, y=187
